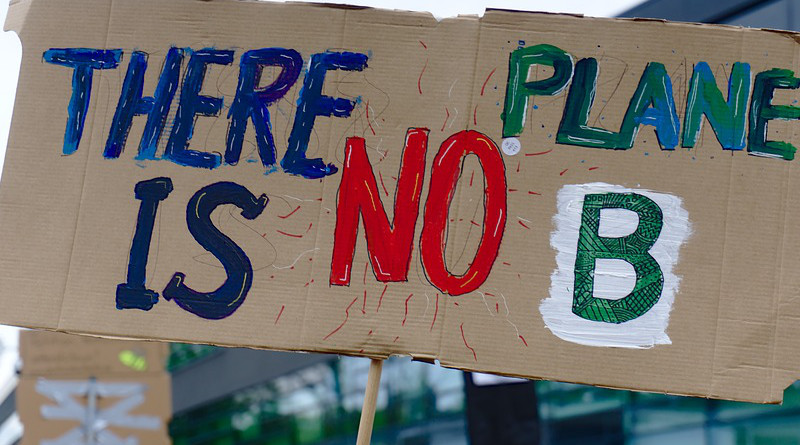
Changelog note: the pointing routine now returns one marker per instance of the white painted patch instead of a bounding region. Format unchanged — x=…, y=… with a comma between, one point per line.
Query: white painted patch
x=511, y=146
x=614, y=279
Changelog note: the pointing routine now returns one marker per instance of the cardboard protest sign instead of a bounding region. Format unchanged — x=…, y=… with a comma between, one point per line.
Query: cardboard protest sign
x=598, y=201
x=120, y=395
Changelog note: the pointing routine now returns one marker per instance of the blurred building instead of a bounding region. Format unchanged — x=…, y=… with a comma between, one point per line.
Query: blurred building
x=239, y=396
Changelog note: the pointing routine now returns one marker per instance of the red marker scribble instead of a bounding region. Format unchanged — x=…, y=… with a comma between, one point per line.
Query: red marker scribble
x=346, y=316
x=370, y=332
x=406, y=315
x=475, y=116
x=506, y=263
x=474, y=223
x=534, y=193
x=523, y=224
x=563, y=171
x=419, y=81
x=518, y=165
x=382, y=184
x=364, y=304
x=380, y=300
x=309, y=283
x=593, y=168
x=423, y=44
x=471, y=178
x=395, y=339
x=279, y=314
x=289, y=234
x=368, y=121
x=435, y=313
x=289, y=214
x=463, y=337
x=523, y=340
x=366, y=266
x=497, y=307
x=483, y=88
x=310, y=225
x=539, y=153
x=446, y=118
x=513, y=190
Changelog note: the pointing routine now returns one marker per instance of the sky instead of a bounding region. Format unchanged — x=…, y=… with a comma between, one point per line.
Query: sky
x=11, y=53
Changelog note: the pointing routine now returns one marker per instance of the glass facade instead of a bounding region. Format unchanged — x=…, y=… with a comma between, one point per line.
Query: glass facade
x=420, y=404
x=321, y=404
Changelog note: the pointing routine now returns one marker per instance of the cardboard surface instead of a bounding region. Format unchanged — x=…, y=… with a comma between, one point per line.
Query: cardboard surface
x=52, y=354
x=67, y=380
x=153, y=410
x=82, y=251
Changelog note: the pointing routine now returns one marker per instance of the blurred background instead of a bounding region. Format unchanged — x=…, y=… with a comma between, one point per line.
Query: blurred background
x=238, y=396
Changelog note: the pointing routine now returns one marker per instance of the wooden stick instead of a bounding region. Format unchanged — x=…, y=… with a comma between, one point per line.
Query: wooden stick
x=370, y=400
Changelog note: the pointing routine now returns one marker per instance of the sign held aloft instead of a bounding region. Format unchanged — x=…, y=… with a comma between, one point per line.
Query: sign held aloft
x=587, y=200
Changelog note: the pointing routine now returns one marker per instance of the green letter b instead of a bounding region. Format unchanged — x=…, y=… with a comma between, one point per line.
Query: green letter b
x=633, y=248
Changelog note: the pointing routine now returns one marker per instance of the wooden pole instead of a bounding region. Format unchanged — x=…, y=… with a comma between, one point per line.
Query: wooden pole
x=370, y=400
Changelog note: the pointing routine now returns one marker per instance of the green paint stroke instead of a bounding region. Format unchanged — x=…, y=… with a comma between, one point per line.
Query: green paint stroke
x=652, y=104
x=519, y=89
x=762, y=111
x=633, y=248
x=727, y=118
x=133, y=360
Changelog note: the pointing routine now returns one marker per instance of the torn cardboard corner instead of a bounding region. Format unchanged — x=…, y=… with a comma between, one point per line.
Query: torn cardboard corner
x=513, y=194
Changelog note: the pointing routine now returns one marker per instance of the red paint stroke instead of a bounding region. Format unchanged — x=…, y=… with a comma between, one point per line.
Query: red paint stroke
x=380, y=300
x=419, y=81
x=455, y=303
x=463, y=337
x=435, y=312
x=366, y=265
x=395, y=339
x=382, y=184
x=512, y=190
x=518, y=165
x=506, y=263
x=346, y=316
x=471, y=178
x=289, y=234
x=279, y=314
x=474, y=223
x=523, y=225
x=534, y=193
x=393, y=177
x=487, y=81
x=475, y=116
x=364, y=304
x=539, y=153
x=290, y=213
x=369, y=122
x=310, y=225
x=446, y=118
x=361, y=351
x=563, y=171
x=423, y=44
x=523, y=340
x=309, y=283
x=370, y=332
x=405, y=317
x=497, y=307
x=593, y=168
x=489, y=295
